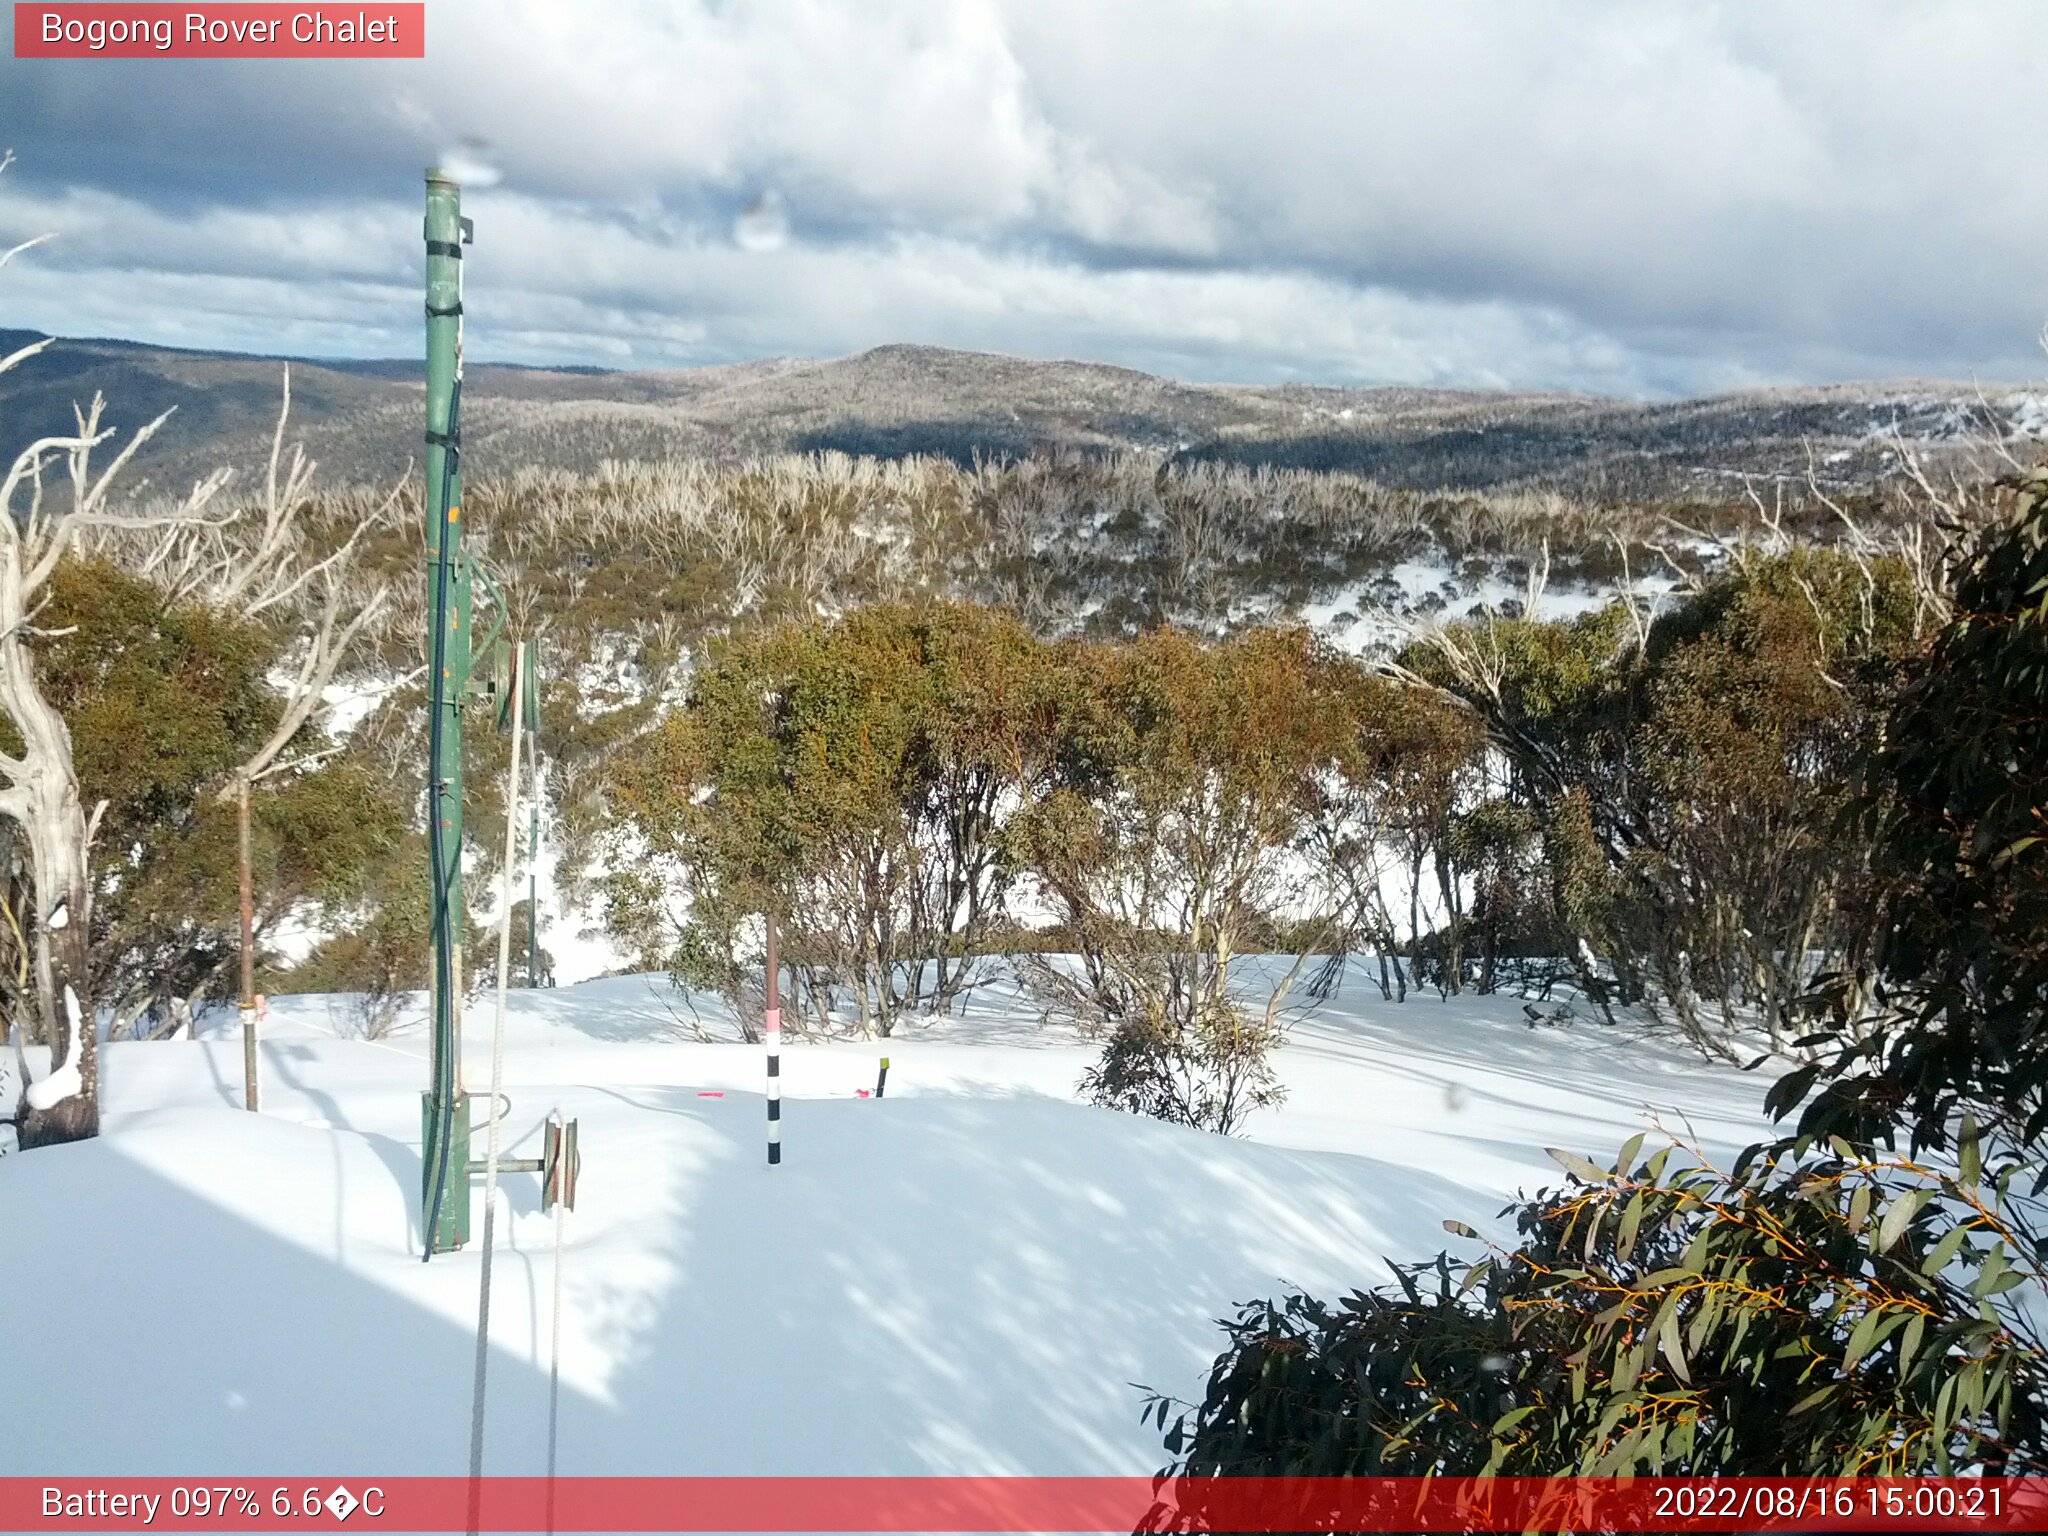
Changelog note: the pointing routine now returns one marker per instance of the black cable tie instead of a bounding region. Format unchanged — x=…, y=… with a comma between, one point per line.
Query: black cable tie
x=452, y=309
x=444, y=248
x=444, y=439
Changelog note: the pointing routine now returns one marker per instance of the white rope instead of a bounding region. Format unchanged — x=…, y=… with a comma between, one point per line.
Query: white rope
x=555, y=1364
x=483, y=1304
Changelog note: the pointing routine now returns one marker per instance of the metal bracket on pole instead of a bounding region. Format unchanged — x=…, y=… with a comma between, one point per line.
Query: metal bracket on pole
x=561, y=1162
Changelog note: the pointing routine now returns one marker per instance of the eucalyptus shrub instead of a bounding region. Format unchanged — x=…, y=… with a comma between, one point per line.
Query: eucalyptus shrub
x=1822, y=1307
x=1814, y=1311
x=1946, y=1009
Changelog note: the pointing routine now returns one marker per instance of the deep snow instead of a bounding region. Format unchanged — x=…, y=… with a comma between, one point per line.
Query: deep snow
x=965, y=1277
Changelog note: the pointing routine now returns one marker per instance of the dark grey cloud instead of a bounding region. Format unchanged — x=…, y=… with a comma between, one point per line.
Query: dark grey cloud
x=1633, y=198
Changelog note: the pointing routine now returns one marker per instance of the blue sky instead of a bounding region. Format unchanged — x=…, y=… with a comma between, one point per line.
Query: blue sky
x=1619, y=197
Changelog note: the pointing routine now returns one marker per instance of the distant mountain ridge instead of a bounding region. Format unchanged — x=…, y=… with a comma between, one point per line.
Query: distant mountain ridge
x=361, y=419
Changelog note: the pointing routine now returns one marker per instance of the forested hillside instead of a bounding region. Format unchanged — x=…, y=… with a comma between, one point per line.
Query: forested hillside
x=361, y=419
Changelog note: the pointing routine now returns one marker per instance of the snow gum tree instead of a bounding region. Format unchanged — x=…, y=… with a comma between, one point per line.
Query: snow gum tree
x=55, y=504
x=1813, y=1311
x=1382, y=834
x=856, y=778
x=1943, y=1009
x=39, y=791
x=164, y=699
x=1826, y=1305
x=1169, y=849
x=39, y=788
x=1685, y=777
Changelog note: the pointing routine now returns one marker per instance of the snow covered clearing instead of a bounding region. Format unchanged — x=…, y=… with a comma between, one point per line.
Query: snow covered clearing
x=965, y=1277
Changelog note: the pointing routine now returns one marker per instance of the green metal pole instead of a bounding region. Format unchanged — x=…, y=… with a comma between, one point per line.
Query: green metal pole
x=445, y=1190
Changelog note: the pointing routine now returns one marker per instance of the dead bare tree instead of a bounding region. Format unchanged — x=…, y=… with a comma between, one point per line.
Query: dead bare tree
x=227, y=560
x=252, y=564
x=39, y=788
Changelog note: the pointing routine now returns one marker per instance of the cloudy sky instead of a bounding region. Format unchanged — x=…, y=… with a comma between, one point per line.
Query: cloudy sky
x=1621, y=197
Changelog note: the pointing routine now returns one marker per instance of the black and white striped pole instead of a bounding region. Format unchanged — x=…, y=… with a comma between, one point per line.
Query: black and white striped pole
x=773, y=1029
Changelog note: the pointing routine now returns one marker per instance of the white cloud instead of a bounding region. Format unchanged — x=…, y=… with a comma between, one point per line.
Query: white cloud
x=1580, y=193
x=555, y=284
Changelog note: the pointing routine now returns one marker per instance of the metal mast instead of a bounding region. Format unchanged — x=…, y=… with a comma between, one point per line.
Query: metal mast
x=451, y=654
x=445, y=1194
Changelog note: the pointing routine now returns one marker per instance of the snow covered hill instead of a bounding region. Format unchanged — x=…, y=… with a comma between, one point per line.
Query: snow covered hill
x=968, y=1276
x=360, y=419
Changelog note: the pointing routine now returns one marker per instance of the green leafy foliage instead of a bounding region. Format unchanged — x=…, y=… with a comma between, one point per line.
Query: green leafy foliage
x=1682, y=779
x=1820, y=1308
x=856, y=778
x=1165, y=846
x=382, y=950
x=163, y=700
x=1814, y=1311
x=1946, y=1009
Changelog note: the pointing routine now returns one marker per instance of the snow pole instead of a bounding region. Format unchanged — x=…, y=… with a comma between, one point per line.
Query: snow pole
x=882, y=1078
x=772, y=1029
x=444, y=1195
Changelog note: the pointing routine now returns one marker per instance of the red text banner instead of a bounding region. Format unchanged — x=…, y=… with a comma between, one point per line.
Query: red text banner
x=220, y=31
x=988, y=1504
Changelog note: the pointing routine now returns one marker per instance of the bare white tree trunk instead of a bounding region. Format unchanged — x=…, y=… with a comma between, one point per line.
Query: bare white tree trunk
x=41, y=791
x=67, y=1107
x=39, y=788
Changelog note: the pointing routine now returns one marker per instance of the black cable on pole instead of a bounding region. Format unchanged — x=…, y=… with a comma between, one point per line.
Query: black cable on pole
x=444, y=960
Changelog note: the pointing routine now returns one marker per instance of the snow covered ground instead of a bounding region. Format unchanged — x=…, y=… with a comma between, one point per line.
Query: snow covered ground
x=967, y=1276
